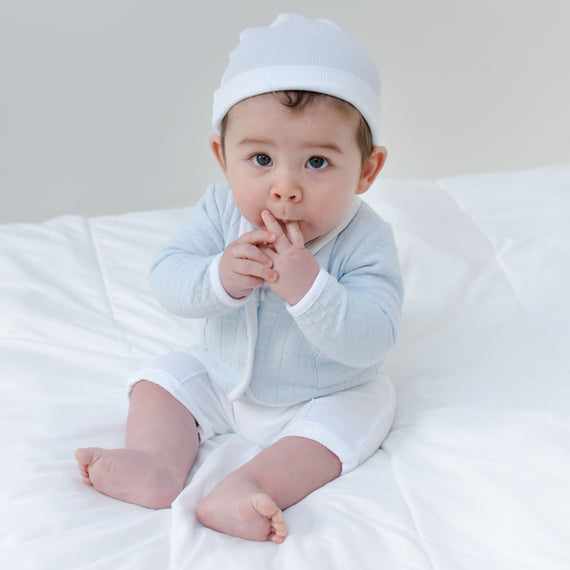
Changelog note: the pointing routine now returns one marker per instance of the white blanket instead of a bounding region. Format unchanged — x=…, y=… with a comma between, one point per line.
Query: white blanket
x=475, y=474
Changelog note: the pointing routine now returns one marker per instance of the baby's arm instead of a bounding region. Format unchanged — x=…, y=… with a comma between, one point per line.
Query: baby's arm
x=353, y=318
x=244, y=266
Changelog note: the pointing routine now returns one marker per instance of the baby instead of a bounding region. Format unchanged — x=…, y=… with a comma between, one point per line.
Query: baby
x=298, y=285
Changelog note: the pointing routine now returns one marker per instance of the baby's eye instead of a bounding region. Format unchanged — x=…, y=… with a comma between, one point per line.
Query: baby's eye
x=261, y=160
x=317, y=163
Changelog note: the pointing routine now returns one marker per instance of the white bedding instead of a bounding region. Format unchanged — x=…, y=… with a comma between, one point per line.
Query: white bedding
x=474, y=475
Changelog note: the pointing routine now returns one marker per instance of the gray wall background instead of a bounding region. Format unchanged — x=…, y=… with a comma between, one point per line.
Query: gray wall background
x=105, y=104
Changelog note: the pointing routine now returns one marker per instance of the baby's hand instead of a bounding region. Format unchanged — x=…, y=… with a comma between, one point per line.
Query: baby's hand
x=244, y=265
x=296, y=266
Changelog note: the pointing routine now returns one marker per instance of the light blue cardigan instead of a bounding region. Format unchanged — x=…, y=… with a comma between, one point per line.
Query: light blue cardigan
x=336, y=337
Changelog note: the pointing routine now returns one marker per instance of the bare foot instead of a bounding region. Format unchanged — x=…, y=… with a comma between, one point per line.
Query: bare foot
x=133, y=476
x=243, y=511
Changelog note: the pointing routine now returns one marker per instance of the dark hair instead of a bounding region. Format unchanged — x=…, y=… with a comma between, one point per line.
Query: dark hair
x=295, y=99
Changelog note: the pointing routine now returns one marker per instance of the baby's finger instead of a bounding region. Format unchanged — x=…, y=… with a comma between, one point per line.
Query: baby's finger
x=253, y=253
x=282, y=240
x=253, y=269
x=295, y=234
x=257, y=237
x=272, y=225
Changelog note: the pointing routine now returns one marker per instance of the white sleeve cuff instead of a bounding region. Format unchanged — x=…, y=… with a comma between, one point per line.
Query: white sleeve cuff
x=312, y=294
x=218, y=288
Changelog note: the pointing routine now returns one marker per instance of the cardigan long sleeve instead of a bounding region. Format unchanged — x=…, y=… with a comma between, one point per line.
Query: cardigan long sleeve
x=337, y=336
x=181, y=274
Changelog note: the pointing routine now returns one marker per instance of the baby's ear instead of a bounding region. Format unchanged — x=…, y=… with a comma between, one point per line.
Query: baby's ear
x=218, y=150
x=371, y=168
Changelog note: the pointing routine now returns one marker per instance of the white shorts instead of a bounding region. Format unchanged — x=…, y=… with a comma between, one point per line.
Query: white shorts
x=352, y=423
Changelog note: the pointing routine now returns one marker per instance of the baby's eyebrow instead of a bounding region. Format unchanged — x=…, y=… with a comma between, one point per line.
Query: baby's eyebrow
x=249, y=140
x=313, y=145
x=325, y=146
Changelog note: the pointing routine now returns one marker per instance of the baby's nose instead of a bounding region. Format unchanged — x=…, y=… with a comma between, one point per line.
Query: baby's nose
x=287, y=191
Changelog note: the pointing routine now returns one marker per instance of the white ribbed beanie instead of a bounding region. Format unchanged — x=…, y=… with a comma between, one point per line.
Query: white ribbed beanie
x=298, y=53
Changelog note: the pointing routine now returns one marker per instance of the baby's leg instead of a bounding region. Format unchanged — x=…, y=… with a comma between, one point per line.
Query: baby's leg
x=161, y=446
x=249, y=502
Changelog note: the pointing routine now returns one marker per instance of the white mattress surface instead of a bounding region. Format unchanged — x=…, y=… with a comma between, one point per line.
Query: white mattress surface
x=475, y=474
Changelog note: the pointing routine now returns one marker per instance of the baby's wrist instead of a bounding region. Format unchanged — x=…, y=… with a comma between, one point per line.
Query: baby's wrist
x=308, y=300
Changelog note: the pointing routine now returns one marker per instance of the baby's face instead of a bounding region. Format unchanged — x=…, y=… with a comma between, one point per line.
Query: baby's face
x=302, y=165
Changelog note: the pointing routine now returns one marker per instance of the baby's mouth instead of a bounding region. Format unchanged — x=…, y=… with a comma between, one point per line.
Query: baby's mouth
x=284, y=221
